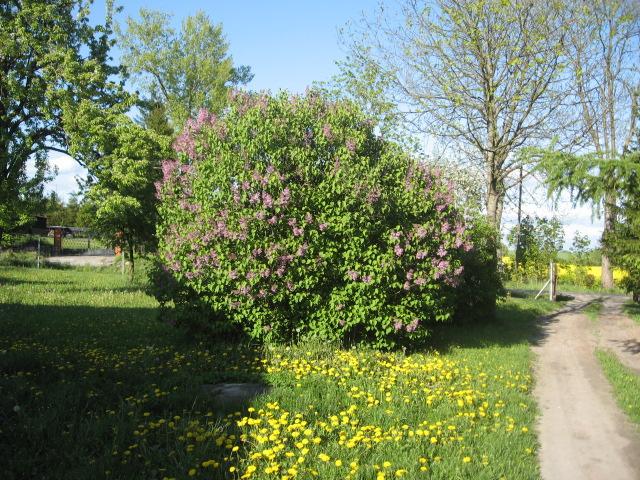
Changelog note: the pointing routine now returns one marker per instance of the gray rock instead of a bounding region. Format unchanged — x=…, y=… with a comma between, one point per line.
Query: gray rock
x=234, y=394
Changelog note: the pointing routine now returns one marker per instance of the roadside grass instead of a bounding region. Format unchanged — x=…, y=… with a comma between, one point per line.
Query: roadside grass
x=92, y=385
x=632, y=309
x=593, y=309
x=625, y=383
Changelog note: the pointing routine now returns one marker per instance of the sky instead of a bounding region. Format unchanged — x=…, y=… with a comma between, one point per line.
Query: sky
x=289, y=45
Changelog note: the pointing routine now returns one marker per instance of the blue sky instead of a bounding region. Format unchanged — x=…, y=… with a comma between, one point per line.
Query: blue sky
x=289, y=45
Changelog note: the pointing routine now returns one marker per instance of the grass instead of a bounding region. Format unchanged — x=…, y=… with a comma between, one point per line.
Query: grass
x=92, y=385
x=633, y=310
x=593, y=309
x=561, y=287
x=625, y=383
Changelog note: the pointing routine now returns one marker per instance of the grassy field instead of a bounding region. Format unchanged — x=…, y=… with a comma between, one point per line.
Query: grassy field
x=625, y=383
x=92, y=385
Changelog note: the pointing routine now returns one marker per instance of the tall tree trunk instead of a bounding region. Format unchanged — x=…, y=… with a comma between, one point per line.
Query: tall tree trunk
x=131, y=260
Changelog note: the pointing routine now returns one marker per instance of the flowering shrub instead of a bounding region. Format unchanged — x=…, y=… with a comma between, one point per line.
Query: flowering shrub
x=290, y=218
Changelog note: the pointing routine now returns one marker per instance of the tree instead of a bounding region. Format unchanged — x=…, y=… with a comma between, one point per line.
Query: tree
x=580, y=248
x=185, y=70
x=622, y=244
x=603, y=47
x=123, y=161
x=483, y=74
x=50, y=58
x=538, y=242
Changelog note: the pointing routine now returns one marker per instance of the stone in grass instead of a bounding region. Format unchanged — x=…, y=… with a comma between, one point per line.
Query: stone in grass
x=234, y=394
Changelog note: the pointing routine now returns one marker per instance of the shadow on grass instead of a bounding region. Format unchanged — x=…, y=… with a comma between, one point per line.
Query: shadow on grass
x=98, y=373
x=515, y=323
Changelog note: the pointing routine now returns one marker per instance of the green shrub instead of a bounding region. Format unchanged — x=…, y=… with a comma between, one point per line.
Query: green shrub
x=290, y=218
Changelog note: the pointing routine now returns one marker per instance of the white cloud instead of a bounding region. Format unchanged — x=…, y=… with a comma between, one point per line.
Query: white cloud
x=64, y=183
x=579, y=218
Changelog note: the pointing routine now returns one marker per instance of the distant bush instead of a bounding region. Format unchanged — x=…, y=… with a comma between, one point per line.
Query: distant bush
x=289, y=218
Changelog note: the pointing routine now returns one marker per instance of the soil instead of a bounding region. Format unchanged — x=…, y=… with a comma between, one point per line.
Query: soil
x=583, y=434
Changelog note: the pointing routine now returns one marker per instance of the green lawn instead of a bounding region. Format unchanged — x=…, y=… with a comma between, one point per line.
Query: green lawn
x=92, y=385
x=625, y=383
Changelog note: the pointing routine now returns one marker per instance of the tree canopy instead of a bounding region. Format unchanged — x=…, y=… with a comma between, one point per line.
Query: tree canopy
x=187, y=69
x=51, y=58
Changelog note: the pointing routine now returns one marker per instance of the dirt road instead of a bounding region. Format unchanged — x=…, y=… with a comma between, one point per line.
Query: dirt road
x=583, y=434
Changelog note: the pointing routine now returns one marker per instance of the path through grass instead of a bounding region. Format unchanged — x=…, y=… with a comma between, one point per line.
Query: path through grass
x=93, y=386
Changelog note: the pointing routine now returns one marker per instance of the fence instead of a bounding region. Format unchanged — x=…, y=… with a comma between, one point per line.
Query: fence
x=56, y=244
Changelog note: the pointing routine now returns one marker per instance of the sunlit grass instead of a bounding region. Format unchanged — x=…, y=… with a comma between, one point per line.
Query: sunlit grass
x=93, y=386
x=625, y=383
x=633, y=310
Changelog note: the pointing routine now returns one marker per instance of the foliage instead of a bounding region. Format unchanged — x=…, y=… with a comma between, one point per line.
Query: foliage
x=123, y=161
x=52, y=58
x=69, y=213
x=185, y=70
x=290, y=218
x=623, y=243
x=591, y=178
x=481, y=283
x=99, y=386
x=538, y=242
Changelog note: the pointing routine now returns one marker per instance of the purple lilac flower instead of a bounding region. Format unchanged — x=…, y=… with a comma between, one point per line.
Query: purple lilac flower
x=421, y=254
x=397, y=325
x=322, y=227
x=410, y=275
x=398, y=250
x=366, y=278
x=412, y=326
x=326, y=131
x=297, y=231
x=420, y=281
x=308, y=217
x=442, y=252
x=267, y=200
x=302, y=250
x=233, y=275
x=351, y=145
x=254, y=198
x=396, y=235
x=445, y=227
x=352, y=274
x=273, y=220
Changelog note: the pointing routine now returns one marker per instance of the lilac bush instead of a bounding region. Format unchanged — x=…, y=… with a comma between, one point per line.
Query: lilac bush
x=288, y=217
